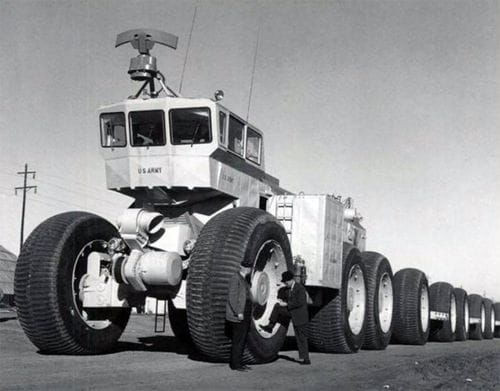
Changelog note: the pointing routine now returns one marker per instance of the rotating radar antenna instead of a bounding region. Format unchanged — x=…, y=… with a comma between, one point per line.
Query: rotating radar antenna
x=143, y=67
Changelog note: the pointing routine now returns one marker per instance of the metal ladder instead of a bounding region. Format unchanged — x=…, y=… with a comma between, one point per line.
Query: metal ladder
x=160, y=318
x=284, y=214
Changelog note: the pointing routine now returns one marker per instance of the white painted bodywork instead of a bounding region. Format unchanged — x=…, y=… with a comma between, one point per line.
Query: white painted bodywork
x=178, y=174
x=315, y=224
x=179, y=166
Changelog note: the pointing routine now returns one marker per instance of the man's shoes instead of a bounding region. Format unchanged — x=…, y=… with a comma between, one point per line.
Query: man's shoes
x=247, y=368
x=240, y=369
x=268, y=329
x=305, y=362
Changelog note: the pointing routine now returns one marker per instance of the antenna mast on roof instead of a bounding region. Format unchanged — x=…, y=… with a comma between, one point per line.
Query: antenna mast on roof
x=143, y=67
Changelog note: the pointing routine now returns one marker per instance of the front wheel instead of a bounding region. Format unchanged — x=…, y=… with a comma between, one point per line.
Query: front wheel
x=241, y=235
x=47, y=279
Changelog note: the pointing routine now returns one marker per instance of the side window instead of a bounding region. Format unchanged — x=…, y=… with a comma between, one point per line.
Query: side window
x=113, y=130
x=222, y=127
x=254, y=142
x=235, y=135
x=190, y=126
x=147, y=128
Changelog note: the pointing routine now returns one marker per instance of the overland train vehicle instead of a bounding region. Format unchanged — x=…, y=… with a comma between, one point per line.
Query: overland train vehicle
x=203, y=205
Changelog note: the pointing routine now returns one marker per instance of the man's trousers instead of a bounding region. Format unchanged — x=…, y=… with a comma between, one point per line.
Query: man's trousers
x=239, y=331
x=302, y=344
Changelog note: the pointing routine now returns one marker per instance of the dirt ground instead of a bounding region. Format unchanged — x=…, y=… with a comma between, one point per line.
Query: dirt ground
x=145, y=360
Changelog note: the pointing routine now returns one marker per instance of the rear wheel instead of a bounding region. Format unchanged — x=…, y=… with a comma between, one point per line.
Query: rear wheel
x=497, y=320
x=462, y=332
x=47, y=283
x=178, y=323
x=477, y=317
x=240, y=235
x=411, y=307
x=489, y=314
x=443, y=302
x=380, y=300
x=339, y=325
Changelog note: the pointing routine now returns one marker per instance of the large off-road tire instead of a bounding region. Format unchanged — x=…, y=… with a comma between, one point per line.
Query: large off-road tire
x=443, y=300
x=411, y=317
x=489, y=313
x=237, y=236
x=379, y=301
x=178, y=323
x=477, y=317
x=339, y=325
x=462, y=332
x=46, y=286
x=496, y=306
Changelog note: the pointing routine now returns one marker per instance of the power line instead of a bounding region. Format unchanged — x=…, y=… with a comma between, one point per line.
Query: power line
x=25, y=189
x=72, y=204
x=57, y=207
x=8, y=173
x=66, y=179
x=5, y=188
x=75, y=192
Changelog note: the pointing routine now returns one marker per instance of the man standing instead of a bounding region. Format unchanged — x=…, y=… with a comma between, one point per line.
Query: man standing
x=238, y=310
x=297, y=307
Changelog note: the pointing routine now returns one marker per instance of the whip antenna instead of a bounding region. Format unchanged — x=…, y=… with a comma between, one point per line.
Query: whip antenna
x=188, y=47
x=253, y=67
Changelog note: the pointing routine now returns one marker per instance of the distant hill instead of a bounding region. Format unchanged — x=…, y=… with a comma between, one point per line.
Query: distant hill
x=7, y=267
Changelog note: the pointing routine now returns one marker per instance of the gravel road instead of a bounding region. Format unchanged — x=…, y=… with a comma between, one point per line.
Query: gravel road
x=145, y=360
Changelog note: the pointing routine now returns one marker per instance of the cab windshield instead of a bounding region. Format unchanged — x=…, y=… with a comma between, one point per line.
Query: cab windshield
x=147, y=128
x=190, y=126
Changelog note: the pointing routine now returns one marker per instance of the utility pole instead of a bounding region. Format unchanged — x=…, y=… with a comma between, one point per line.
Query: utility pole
x=25, y=189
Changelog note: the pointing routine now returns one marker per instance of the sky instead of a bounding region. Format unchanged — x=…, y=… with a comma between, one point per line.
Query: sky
x=395, y=103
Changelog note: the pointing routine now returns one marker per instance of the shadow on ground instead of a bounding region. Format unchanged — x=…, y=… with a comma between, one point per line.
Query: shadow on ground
x=171, y=344
x=8, y=318
x=168, y=344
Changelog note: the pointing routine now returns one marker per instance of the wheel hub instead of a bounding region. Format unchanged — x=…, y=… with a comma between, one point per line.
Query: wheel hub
x=483, y=318
x=424, y=309
x=269, y=263
x=453, y=313
x=78, y=275
x=466, y=315
x=385, y=302
x=260, y=287
x=356, y=299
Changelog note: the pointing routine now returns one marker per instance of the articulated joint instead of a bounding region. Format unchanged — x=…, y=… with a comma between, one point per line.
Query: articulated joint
x=136, y=225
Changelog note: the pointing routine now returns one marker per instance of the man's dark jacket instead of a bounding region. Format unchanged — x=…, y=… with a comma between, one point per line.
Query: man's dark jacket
x=239, y=293
x=297, y=305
